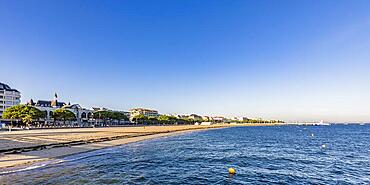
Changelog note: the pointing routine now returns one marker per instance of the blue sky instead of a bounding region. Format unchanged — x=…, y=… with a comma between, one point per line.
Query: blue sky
x=291, y=60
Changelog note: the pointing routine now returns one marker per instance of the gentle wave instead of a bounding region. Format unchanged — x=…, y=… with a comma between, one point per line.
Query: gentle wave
x=30, y=167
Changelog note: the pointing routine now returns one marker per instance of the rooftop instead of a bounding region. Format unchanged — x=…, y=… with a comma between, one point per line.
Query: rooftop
x=45, y=103
x=141, y=109
x=6, y=87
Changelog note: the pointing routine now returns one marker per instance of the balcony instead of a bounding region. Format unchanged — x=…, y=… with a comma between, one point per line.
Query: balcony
x=9, y=92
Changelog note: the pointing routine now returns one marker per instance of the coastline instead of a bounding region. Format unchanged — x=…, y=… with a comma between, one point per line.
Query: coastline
x=17, y=160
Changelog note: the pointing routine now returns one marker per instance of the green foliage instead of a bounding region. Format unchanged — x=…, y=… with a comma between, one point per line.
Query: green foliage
x=118, y=116
x=146, y=119
x=162, y=119
x=23, y=112
x=109, y=115
x=63, y=114
x=140, y=118
x=172, y=119
x=206, y=119
x=101, y=115
x=189, y=121
x=152, y=120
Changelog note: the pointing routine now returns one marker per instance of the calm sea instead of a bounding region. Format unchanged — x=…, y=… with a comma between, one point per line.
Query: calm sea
x=261, y=155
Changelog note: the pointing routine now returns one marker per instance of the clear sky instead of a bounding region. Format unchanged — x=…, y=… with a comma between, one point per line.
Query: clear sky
x=291, y=60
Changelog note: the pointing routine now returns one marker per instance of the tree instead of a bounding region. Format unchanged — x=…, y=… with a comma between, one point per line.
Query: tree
x=172, y=119
x=152, y=120
x=118, y=116
x=140, y=118
x=187, y=120
x=163, y=119
x=63, y=115
x=23, y=112
x=109, y=115
x=101, y=115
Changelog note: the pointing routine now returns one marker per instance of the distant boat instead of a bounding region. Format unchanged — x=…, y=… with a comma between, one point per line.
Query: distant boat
x=321, y=123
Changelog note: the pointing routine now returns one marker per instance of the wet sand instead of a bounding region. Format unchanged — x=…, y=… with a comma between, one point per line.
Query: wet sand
x=22, y=148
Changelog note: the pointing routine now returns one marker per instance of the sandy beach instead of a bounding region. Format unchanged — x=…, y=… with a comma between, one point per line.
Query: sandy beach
x=26, y=147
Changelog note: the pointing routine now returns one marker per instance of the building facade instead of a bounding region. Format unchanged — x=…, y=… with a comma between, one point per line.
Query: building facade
x=218, y=119
x=8, y=97
x=146, y=112
x=48, y=107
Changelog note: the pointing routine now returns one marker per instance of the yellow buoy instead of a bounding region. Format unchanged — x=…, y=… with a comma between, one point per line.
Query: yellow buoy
x=232, y=171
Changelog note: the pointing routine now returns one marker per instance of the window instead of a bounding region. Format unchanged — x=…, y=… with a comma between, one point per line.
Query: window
x=8, y=103
x=45, y=113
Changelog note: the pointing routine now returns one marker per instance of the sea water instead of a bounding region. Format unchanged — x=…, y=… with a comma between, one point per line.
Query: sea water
x=337, y=154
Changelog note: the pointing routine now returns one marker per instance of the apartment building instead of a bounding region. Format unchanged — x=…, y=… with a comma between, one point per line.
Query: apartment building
x=8, y=97
x=145, y=112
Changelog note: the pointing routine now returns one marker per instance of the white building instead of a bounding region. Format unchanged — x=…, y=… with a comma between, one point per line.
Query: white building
x=218, y=119
x=243, y=119
x=48, y=107
x=146, y=112
x=8, y=97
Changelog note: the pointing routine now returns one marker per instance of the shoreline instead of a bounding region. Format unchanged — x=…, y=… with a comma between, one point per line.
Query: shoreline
x=12, y=161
